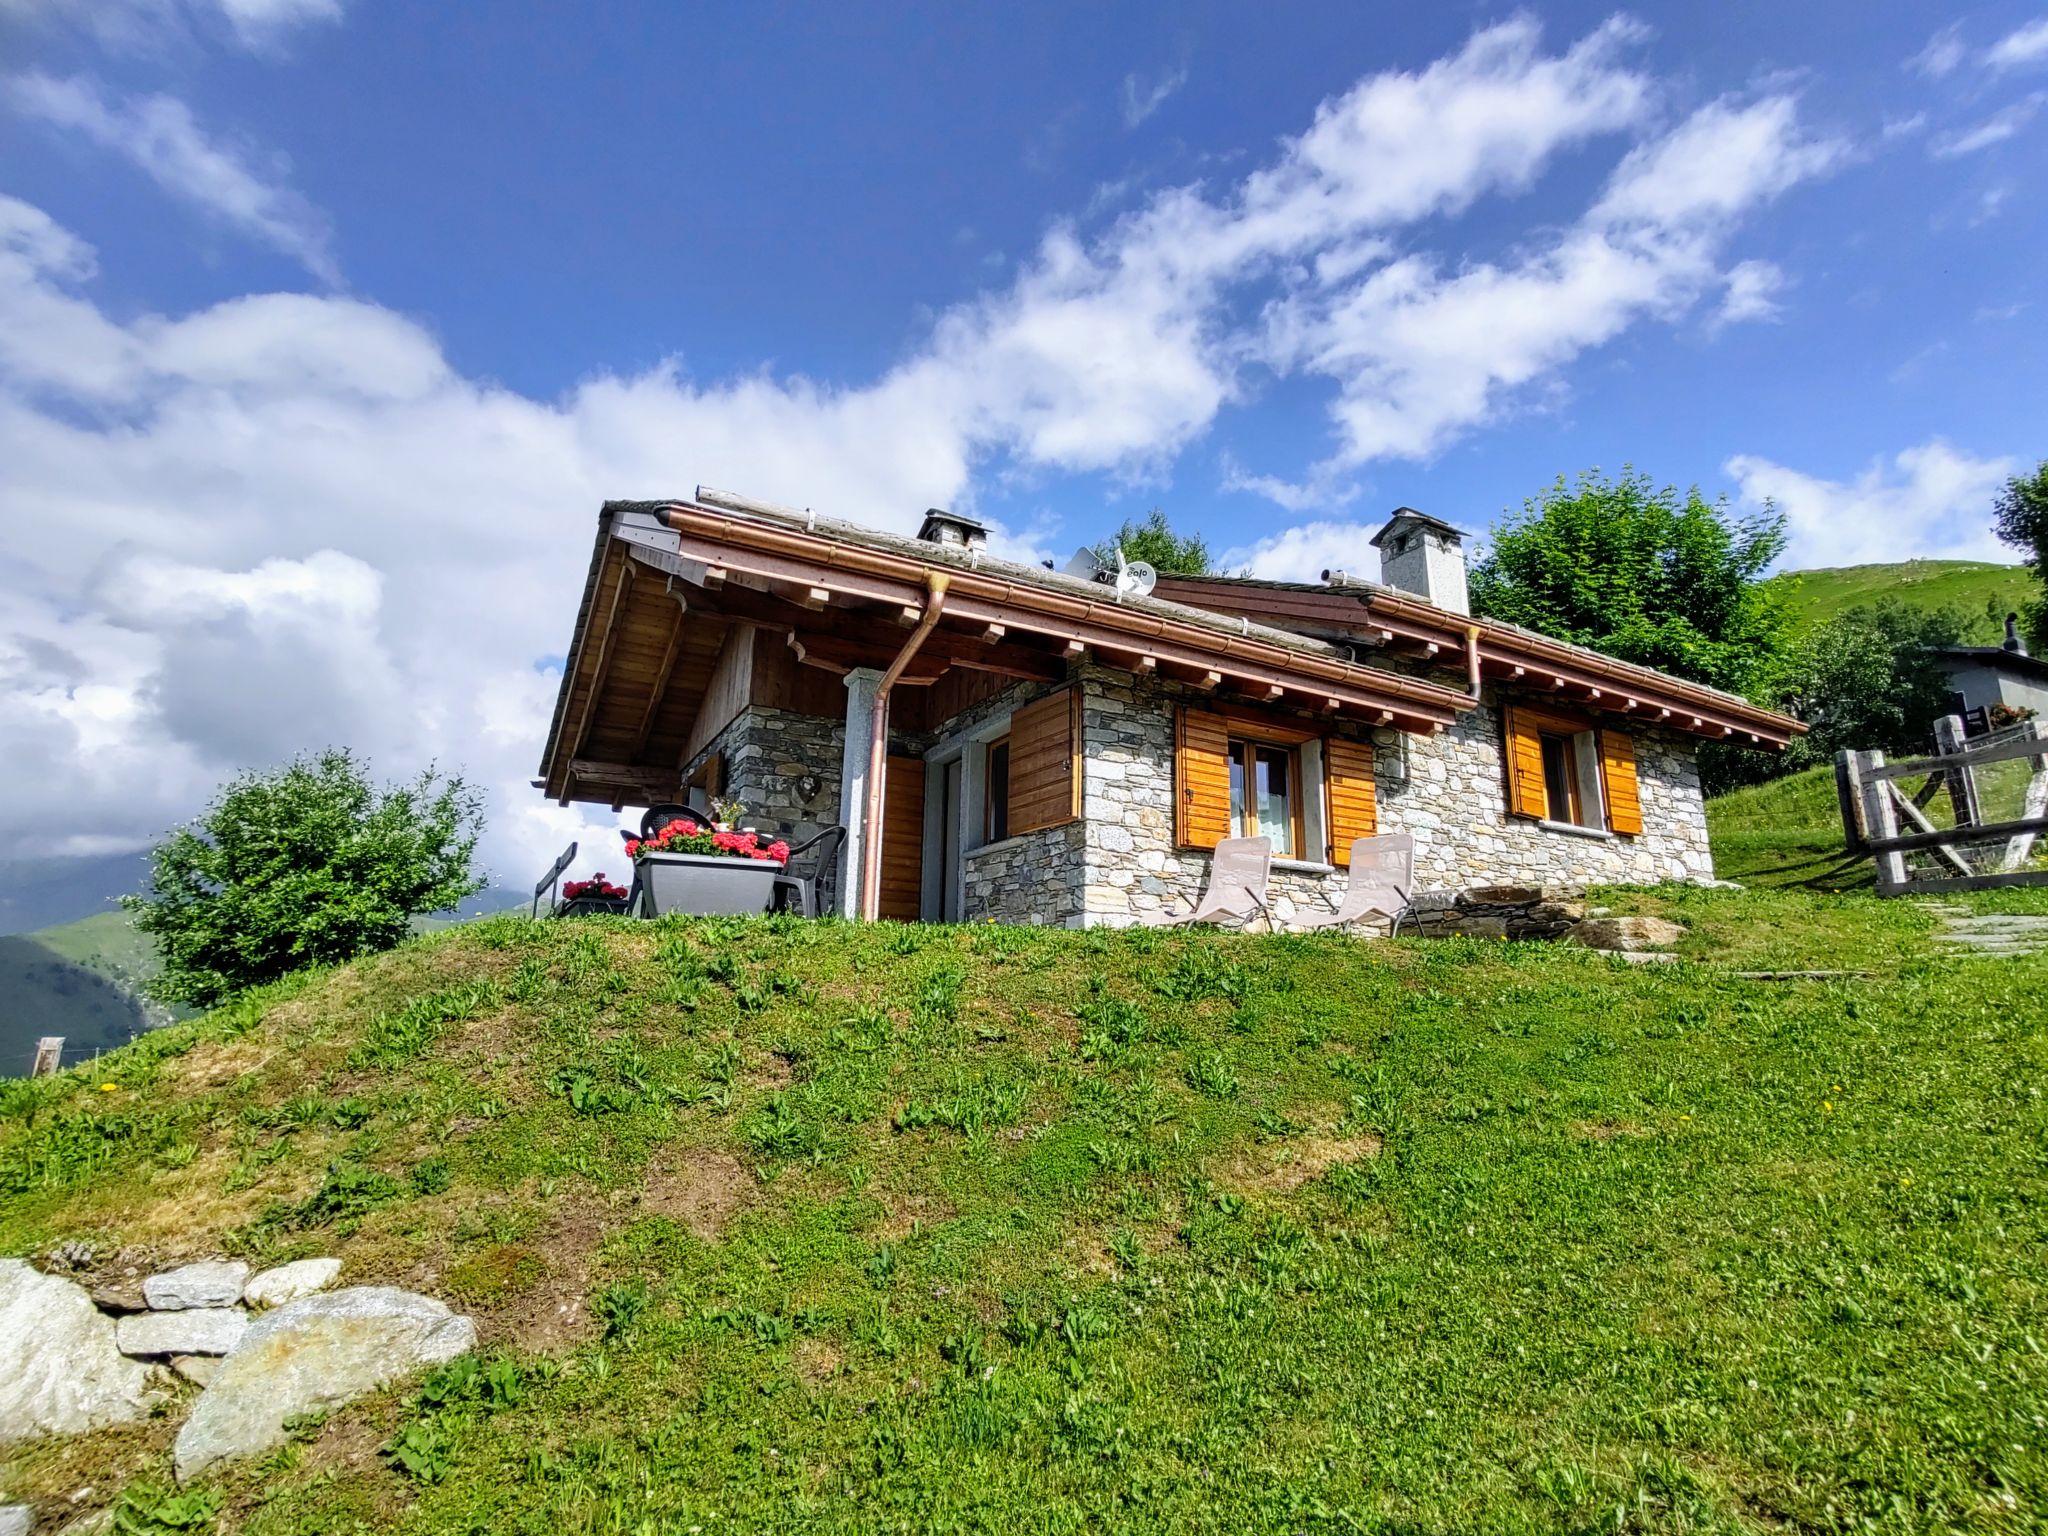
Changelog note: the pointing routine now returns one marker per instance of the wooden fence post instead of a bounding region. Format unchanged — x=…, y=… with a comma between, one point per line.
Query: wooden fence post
x=1849, y=799
x=2018, y=849
x=49, y=1056
x=1949, y=740
x=1881, y=821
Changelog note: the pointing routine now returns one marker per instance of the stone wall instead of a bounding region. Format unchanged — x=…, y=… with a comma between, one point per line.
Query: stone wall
x=1452, y=798
x=766, y=751
x=1035, y=878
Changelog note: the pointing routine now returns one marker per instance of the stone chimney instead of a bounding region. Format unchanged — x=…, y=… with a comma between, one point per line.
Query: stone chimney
x=1425, y=556
x=955, y=529
x=2013, y=642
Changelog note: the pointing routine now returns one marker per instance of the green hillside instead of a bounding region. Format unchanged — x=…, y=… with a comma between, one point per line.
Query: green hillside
x=1981, y=592
x=775, y=1225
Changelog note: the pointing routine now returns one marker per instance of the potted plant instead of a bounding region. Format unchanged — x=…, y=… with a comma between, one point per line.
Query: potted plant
x=705, y=871
x=581, y=898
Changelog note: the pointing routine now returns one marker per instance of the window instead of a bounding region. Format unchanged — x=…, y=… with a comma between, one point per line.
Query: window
x=1265, y=799
x=996, y=793
x=1560, y=777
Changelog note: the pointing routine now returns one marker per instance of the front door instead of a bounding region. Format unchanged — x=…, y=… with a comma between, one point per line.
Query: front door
x=902, y=883
x=949, y=842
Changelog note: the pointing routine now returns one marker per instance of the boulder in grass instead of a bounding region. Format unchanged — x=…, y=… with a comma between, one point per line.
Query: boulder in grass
x=310, y=1355
x=1628, y=933
x=194, y=1331
x=60, y=1371
x=210, y=1284
x=16, y=1519
x=288, y=1282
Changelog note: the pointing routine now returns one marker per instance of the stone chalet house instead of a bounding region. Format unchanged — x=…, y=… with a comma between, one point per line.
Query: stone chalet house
x=1053, y=749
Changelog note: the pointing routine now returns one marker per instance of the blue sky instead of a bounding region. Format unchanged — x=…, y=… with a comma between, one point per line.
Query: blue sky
x=325, y=323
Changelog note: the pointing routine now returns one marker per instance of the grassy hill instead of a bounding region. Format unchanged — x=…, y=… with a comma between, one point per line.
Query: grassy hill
x=1983, y=593
x=806, y=1226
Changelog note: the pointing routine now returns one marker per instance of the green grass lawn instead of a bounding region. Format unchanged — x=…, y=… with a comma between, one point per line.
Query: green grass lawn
x=783, y=1226
x=1983, y=593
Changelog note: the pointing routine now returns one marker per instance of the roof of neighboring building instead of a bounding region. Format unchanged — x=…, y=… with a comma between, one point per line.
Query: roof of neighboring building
x=2018, y=663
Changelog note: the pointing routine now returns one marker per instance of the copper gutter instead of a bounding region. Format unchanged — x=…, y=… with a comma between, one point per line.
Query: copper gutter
x=977, y=595
x=878, y=750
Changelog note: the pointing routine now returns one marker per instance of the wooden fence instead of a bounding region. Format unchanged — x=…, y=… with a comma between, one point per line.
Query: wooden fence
x=1969, y=854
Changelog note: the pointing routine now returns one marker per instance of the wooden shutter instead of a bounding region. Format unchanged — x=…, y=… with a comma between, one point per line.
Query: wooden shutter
x=1201, y=779
x=1354, y=812
x=1045, y=762
x=902, y=881
x=1528, y=793
x=1618, y=783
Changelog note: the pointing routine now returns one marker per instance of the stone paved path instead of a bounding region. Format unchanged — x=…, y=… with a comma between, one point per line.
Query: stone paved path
x=1987, y=933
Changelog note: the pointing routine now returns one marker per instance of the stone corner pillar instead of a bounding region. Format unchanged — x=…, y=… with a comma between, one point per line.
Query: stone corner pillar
x=862, y=683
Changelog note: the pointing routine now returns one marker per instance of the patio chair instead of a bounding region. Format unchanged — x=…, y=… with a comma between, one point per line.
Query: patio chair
x=1382, y=880
x=1239, y=871
x=796, y=888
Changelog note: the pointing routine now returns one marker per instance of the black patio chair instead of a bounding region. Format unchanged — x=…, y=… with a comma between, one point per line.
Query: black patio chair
x=796, y=888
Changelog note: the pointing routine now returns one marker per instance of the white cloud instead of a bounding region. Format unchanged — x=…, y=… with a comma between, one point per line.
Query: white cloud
x=141, y=26
x=286, y=519
x=159, y=135
x=1751, y=293
x=1930, y=501
x=1995, y=129
x=1303, y=553
x=1944, y=53
x=1142, y=97
x=2027, y=45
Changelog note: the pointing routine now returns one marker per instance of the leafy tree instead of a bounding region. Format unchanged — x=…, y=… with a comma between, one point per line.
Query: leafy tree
x=1153, y=540
x=2020, y=518
x=1645, y=575
x=303, y=865
x=1868, y=679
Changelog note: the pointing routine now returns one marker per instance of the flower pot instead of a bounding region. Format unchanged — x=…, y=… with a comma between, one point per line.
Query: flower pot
x=587, y=906
x=704, y=885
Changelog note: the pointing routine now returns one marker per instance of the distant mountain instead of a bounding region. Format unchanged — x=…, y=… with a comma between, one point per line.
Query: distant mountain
x=41, y=893
x=1981, y=592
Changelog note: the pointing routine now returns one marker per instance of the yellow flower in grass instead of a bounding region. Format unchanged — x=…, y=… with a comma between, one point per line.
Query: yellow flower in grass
x=108, y=1087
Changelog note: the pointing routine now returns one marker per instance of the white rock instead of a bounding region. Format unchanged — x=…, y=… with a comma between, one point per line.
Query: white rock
x=209, y=1284
x=288, y=1282
x=194, y=1331
x=60, y=1370
x=312, y=1354
x=15, y=1519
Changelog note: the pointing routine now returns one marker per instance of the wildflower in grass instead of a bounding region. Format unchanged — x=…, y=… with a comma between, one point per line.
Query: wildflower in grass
x=108, y=1087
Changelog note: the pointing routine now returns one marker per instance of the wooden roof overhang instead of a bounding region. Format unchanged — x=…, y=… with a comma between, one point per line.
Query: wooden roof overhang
x=670, y=581
x=1406, y=625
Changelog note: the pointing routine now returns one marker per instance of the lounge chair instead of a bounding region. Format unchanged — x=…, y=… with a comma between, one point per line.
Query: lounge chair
x=1239, y=871
x=1382, y=883
x=796, y=888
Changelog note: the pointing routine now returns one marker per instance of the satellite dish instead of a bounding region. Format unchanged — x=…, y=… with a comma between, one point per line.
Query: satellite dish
x=1086, y=564
x=1137, y=578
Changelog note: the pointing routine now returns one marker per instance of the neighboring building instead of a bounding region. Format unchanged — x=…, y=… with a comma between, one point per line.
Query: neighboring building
x=1993, y=682
x=1059, y=750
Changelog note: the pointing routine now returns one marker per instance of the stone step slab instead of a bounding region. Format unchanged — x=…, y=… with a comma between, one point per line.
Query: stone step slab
x=192, y=1331
x=211, y=1283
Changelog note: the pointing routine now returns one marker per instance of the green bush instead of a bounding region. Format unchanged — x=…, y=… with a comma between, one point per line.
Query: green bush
x=305, y=865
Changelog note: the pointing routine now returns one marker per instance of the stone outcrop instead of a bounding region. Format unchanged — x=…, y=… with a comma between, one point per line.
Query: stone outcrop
x=61, y=1372
x=1628, y=934
x=313, y=1354
x=190, y=1331
x=288, y=1282
x=16, y=1519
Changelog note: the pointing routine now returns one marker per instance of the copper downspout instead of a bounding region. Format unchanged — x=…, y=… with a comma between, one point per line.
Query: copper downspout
x=878, y=752
x=1472, y=659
